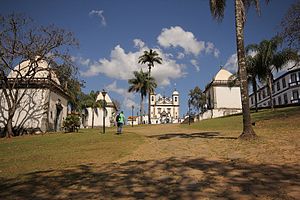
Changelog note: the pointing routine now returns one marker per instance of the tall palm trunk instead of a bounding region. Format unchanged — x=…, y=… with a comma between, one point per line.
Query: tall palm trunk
x=93, y=112
x=270, y=83
x=254, y=85
x=149, y=99
x=141, y=109
x=248, y=131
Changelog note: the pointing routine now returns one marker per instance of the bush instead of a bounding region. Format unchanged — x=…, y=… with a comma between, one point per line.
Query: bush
x=71, y=123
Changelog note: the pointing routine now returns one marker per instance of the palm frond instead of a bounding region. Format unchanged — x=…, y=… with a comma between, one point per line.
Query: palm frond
x=217, y=8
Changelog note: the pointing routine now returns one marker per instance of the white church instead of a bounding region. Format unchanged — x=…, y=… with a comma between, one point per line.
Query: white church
x=44, y=105
x=165, y=109
x=109, y=113
x=222, y=98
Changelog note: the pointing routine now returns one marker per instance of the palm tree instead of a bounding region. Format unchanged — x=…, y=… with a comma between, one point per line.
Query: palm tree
x=90, y=101
x=253, y=73
x=150, y=57
x=268, y=59
x=143, y=84
x=241, y=6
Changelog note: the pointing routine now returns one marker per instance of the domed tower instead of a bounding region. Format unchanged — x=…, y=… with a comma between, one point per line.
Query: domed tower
x=175, y=100
x=152, y=104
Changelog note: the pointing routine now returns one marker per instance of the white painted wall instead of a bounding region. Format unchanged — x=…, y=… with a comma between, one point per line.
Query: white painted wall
x=228, y=97
x=32, y=112
x=98, y=114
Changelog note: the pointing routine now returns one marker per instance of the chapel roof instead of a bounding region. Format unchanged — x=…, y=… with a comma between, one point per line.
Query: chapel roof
x=222, y=75
x=41, y=66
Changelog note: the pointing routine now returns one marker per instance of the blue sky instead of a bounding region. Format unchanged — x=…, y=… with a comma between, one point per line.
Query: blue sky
x=114, y=33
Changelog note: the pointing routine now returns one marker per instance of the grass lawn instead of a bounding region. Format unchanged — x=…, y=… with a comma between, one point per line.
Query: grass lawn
x=60, y=150
x=202, y=161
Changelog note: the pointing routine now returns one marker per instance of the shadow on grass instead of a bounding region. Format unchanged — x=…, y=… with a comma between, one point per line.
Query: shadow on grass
x=206, y=135
x=171, y=178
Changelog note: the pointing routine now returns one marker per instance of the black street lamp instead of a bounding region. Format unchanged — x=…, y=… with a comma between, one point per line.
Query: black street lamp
x=189, y=104
x=103, y=94
x=132, y=115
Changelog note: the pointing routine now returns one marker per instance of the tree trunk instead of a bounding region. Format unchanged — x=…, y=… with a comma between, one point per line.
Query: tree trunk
x=149, y=99
x=254, y=85
x=141, y=109
x=270, y=83
x=248, y=132
x=9, y=131
x=93, y=118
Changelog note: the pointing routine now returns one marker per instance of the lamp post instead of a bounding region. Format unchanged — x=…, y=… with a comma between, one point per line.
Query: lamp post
x=132, y=115
x=189, y=104
x=103, y=94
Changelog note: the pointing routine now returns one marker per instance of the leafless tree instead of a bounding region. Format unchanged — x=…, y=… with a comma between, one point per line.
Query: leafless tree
x=291, y=26
x=21, y=40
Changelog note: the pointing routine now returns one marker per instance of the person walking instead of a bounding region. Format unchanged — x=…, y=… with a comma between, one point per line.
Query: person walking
x=120, y=122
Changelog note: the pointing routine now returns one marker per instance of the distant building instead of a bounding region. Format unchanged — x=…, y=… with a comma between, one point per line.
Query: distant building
x=165, y=109
x=110, y=114
x=222, y=98
x=133, y=120
x=44, y=105
x=286, y=91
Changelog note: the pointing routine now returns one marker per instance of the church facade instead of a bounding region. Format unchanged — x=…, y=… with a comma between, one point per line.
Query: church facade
x=165, y=109
x=222, y=96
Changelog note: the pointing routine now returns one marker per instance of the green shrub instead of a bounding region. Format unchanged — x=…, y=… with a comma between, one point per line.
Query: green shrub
x=71, y=123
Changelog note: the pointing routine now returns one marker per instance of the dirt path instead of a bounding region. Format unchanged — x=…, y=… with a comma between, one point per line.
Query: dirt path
x=223, y=167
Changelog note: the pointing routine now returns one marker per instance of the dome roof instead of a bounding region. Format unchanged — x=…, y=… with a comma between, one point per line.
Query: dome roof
x=175, y=92
x=43, y=70
x=222, y=75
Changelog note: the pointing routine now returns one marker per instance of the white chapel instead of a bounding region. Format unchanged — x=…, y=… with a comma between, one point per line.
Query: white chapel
x=165, y=109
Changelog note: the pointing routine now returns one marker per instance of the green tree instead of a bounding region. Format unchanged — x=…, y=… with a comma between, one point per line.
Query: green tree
x=90, y=101
x=253, y=73
x=21, y=40
x=217, y=8
x=150, y=57
x=198, y=99
x=269, y=58
x=143, y=84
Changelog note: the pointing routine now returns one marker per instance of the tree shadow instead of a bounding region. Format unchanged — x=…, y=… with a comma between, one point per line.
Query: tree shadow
x=206, y=135
x=172, y=178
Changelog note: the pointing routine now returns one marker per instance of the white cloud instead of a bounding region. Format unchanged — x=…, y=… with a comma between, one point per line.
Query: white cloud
x=231, y=63
x=82, y=61
x=99, y=13
x=180, y=55
x=177, y=37
x=138, y=43
x=121, y=65
x=211, y=49
x=128, y=100
x=195, y=64
x=216, y=53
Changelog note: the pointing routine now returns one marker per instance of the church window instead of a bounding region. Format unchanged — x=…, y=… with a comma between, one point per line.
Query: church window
x=152, y=99
x=175, y=99
x=293, y=77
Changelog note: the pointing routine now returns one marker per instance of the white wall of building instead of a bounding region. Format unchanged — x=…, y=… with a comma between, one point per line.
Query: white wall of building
x=283, y=94
x=98, y=114
x=227, y=97
x=33, y=109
